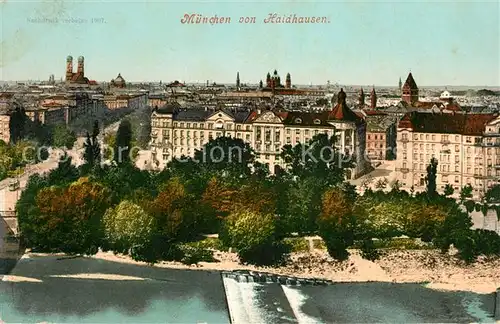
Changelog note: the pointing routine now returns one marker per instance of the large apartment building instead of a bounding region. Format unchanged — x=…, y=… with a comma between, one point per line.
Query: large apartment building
x=467, y=147
x=177, y=132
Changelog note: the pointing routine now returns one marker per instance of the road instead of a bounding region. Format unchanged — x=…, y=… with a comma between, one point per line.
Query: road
x=100, y=291
x=52, y=162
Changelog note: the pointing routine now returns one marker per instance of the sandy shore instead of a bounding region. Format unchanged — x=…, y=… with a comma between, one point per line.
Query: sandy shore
x=439, y=271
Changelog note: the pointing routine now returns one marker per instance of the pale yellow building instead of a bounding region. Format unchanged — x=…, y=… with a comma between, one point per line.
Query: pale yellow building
x=177, y=132
x=467, y=147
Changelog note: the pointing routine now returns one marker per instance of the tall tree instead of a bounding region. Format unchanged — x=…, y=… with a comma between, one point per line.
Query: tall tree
x=319, y=158
x=430, y=179
x=17, y=124
x=92, y=152
x=123, y=143
x=63, y=137
x=229, y=157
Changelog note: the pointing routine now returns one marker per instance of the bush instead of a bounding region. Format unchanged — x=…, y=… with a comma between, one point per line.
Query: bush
x=196, y=252
x=254, y=237
x=127, y=225
x=67, y=219
x=369, y=251
x=156, y=249
x=211, y=243
x=297, y=244
x=338, y=224
x=487, y=242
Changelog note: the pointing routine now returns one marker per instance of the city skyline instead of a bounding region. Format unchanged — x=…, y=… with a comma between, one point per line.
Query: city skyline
x=453, y=44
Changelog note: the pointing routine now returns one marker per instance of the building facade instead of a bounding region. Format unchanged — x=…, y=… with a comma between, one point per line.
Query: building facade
x=132, y=102
x=467, y=147
x=177, y=132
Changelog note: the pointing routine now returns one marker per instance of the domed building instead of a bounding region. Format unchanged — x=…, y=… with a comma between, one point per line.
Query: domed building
x=118, y=82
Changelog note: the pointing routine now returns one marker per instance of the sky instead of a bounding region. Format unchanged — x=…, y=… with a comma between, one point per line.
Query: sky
x=363, y=42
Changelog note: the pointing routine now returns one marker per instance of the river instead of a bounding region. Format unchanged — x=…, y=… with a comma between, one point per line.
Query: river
x=89, y=290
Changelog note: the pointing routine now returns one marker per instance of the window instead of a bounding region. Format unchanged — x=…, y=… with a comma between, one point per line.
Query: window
x=238, y=127
x=317, y=121
x=457, y=168
x=456, y=179
x=297, y=132
x=468, y=139
x=298, y=121
x=369, y=136
x=288, y=140
x=457, y=148
x=433, y=137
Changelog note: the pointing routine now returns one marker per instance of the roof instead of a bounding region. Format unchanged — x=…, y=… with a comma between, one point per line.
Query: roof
x=410, y=82
x=306, y=118
x=428, y=104
x=341, y=112
x=119, y=79
x=168, y=108
x=465, y=124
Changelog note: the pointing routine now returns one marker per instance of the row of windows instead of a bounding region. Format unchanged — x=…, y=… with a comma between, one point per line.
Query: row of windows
x=443, y=138
x=376, y=137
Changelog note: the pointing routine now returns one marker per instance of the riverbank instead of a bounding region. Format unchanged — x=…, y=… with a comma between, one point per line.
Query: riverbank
x=443, y=272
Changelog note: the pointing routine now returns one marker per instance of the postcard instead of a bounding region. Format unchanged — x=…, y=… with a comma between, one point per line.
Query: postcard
x=249, y=161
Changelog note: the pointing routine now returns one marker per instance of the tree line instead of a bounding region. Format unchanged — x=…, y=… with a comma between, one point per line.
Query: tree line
x=151, y=215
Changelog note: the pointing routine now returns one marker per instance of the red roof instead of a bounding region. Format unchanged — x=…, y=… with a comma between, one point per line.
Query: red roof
x=341, y=112
x=465, y=124
x=410, y=82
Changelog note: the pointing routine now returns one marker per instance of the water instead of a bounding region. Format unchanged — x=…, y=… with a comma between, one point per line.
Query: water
x=192, y=310
x=55, y=293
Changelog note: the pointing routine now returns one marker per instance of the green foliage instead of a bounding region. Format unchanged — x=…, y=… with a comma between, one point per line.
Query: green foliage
x=62, y=137
x=66, y=218
x=195, y=253
x=319, y=159
x=466, y=193
x=302, y=206
x=128, y=225
x=226, y=156
x=448, y=190
x=493, y=194
x=430, y=179
x=369, y=250
x=339, y=223
x=297, y=244
x=254, y=237
x=92, y=150
x=123, y=143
